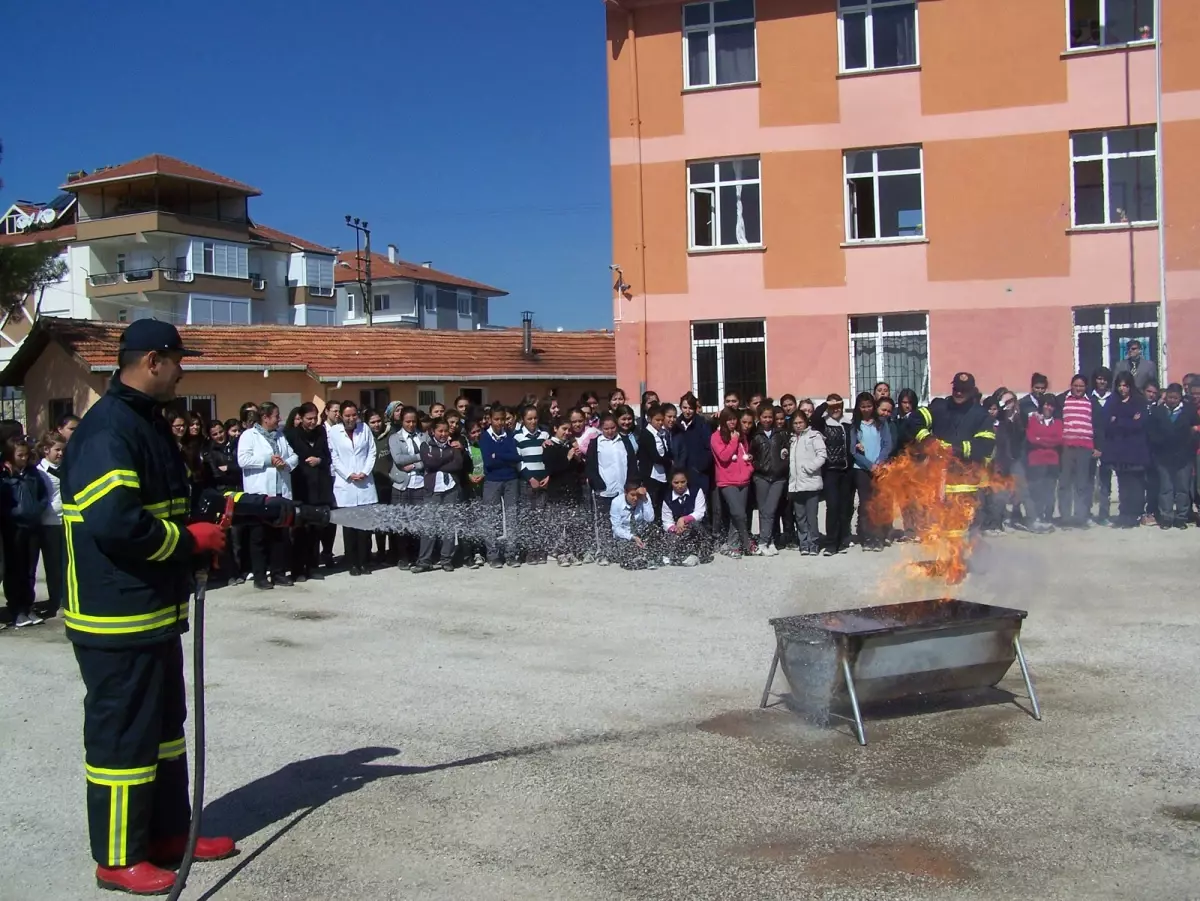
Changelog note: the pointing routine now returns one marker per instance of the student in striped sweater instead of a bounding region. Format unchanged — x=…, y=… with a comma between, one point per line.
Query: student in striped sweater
x=531, y=441
x=1082, y=441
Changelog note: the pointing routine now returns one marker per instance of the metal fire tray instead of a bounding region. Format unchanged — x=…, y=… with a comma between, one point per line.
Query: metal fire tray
x=897, y=651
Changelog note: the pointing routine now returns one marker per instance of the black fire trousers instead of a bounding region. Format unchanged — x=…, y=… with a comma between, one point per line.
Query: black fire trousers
x=134, y=749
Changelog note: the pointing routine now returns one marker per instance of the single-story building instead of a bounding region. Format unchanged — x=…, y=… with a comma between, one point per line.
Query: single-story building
x=64, y=365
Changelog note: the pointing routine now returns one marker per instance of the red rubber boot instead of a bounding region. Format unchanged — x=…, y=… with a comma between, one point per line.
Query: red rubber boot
x=140, y=879
x=170, y=850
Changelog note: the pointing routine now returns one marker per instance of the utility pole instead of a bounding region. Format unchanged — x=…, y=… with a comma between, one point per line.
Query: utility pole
x=362, y=236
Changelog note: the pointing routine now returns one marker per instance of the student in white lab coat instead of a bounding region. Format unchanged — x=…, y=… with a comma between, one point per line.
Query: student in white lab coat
x=352, y=456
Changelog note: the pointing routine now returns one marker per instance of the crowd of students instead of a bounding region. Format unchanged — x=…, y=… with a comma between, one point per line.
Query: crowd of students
x=600, y=483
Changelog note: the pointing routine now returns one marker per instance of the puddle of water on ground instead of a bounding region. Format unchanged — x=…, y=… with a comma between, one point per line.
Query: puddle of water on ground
x=905, y=754
x=307, y=615
x=879, y=860
x=283, y=642
x=1185, y=813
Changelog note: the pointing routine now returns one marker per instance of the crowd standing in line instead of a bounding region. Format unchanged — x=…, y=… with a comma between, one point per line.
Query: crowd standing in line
x=667, y=485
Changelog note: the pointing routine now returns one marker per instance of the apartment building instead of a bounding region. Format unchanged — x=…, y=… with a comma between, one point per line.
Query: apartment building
x=159, y=237
x=409, y=294
x=815, y=195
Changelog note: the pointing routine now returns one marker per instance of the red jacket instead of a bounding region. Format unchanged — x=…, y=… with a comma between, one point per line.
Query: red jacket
x=1044, y=441
x=734, y=465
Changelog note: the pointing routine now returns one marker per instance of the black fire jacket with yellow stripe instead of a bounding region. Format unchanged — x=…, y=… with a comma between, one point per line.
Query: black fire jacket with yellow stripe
x=125, y=504
x=970, y=435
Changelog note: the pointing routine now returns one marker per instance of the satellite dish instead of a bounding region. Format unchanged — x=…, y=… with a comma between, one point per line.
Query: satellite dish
x=46, y=216
x=24, y=221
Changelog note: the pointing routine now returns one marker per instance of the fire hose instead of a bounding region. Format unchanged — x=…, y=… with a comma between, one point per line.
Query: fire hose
x=225, y=510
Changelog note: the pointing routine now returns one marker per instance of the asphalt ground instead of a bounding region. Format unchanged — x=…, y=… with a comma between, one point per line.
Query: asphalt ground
x=590, y=733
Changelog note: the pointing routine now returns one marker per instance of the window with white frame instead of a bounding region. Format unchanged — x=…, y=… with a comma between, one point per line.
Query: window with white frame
x=350, y=304
x=728, y=356
x=892, y=348
x=464, y=303
x=1103, y=334
x=428, y=395
x=381, y=302
x=724, y=203
x=877, y=34
x=318, y=275
x=885, y=194
x=320, y=315
x=218, y=311
x=228, y=260
x=718, y=43
x=1113, y=176
x=430, y=303
x=1105, y=23
x=204, y=404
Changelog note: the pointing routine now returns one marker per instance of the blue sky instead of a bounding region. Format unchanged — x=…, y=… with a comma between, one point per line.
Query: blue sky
x=472, y=133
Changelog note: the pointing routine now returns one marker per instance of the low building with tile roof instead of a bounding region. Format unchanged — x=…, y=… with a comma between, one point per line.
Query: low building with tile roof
x=64, y=366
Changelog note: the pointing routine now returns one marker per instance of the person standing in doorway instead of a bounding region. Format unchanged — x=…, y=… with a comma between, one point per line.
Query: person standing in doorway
x=1143, y=371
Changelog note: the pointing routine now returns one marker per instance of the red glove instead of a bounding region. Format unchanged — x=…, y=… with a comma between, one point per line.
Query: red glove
x=209, y=537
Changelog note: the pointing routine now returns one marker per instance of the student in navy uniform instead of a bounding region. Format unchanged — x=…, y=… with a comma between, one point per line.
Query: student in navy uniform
x=531, y=441
x=501, y=472
x=654, y=458
x=564, y=471
x=686, y=538
x=611, y=462
x=1173, y=434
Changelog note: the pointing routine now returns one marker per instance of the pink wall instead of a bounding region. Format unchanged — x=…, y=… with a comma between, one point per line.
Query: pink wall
x=886, y=109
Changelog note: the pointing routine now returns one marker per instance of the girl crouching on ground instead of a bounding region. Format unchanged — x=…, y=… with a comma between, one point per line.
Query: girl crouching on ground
x=685, y=532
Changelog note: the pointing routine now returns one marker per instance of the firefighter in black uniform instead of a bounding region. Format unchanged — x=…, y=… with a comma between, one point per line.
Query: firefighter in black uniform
x=960, y=423
x=130, y=563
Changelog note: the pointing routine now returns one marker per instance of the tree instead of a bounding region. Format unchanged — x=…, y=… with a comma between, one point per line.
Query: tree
x=25, y=271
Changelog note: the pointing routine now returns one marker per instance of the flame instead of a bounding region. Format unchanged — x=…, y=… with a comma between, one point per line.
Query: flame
x=916, y=482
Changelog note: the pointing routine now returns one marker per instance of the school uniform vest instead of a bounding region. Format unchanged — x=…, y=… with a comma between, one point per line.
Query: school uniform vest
x=682, y=506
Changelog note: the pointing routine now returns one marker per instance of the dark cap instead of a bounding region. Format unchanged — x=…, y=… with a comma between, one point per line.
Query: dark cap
x=963, y=381
x=149, y=334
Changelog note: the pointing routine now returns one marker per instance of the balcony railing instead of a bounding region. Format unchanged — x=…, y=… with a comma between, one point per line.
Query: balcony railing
x=131, y=209
x=131, y=276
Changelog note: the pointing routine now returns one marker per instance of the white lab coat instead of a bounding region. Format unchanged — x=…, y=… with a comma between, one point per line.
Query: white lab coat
x=254, y=452
x=349, y=454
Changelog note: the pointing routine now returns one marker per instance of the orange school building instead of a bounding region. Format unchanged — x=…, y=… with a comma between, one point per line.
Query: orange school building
x=814, y=195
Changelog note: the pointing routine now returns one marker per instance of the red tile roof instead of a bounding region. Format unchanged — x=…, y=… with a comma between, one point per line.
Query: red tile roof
x=158, y=164
x=356, y=353
x=26, y=207
x=382, y=268
x=272, y=234
x=57, y=233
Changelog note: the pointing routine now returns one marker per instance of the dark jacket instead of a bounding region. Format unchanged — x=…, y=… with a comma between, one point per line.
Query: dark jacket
x=592, y=465
x=218, y=455
x=838, y=448
x=648, y=455
x=691, y=451
x=440, y=459
x=1126, y=441
x=311, y=484
x=130, y=563
x=1172, y=439
x=770, y=454
x=966, y=427
x=565, y=474
x=1010, y=444
x=23, y=499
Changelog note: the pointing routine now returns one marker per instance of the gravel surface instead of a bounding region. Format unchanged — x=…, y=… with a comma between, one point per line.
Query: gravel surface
x=589, y=733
